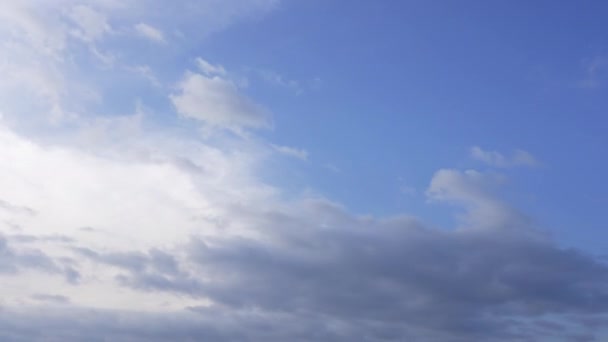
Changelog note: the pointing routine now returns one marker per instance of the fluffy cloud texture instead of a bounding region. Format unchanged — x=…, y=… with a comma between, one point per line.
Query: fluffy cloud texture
x=216, y=101
x=115, y=227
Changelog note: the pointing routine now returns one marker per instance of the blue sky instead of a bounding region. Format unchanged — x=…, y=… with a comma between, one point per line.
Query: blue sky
x=271, y=170
x=408, y=87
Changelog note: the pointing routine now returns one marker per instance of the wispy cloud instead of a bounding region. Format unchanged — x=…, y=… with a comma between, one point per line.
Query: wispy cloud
x=149, y=32
x=497, y=159
x=91, y=25
x=209, y=69
x=277, y=79
x=291, y=151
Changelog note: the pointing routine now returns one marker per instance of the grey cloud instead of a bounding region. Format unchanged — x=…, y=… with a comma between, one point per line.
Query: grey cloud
x=154, y=259
x=154, y=270
x=314, y=272
x=28, y=238
x=69, y=323
x=133, y=261
x=56, y=299
x=13, y=261
x=381, y=280
x=459, y=283
x=72, y=275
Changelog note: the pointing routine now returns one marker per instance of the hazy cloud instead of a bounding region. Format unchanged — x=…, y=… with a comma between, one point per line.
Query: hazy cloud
x=210, y=69
x=292, y=152
x=150, y=32
x=496, y=159
x=55, y=299
x=91, y=24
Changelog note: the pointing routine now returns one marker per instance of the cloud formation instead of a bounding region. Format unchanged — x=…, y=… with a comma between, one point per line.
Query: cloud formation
x=325, y=274
x=247, y=262
x=497, y=159
x=217, y=102
x=59, y=53
x=150, y=32
x=291, y=152
x=115, y=226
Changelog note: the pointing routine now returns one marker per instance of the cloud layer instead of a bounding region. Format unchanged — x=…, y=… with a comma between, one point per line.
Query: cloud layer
x=127, y=225
x=233, y=264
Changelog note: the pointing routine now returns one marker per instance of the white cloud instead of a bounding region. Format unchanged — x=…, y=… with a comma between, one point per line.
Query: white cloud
x=31, y=45
x=477, y=193
x=150, y=32
x=41, y=44
x=217, y=102
x=496, y=159
x=291, y=151
x=134, y=194
x=38, y=41
x=133, y=190
x=209, y=69
x=92, y=25
x=30, y=25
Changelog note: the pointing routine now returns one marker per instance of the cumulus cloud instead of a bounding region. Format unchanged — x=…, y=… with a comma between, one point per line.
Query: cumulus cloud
x=217, y=102
x=496, y=159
